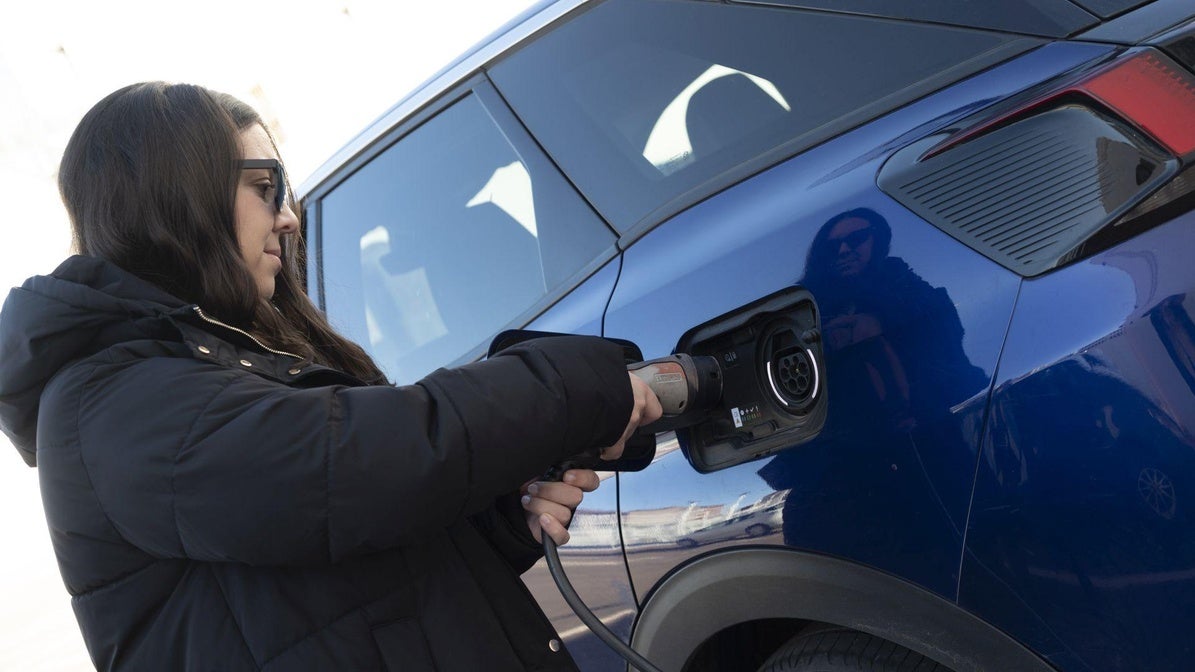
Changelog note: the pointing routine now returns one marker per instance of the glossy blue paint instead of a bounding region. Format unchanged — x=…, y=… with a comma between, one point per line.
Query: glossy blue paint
x=911, y=347
x=580, y=311
x=1082, y=538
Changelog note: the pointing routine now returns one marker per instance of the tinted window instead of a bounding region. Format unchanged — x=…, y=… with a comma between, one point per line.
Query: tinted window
x=444, y=238
x=1051, y=18
x=643, y=102
x=1109, y=8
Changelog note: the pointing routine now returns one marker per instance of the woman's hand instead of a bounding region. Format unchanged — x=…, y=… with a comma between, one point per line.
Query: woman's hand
x=550, y=505
x=645, y=411
x=847, y=330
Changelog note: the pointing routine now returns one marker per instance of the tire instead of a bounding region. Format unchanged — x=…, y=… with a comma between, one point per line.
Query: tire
x=836, y=649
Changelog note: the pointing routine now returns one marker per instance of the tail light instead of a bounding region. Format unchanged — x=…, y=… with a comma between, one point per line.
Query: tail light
x=1153, y=92
x=1063, y=172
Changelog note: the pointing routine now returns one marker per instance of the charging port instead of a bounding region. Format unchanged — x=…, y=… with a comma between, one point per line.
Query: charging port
x=774, y=380
x=790, y=369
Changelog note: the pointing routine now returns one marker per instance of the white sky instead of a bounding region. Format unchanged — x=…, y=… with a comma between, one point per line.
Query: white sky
x=317, y=70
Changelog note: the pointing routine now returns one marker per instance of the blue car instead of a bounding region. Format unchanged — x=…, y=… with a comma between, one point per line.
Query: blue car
x=943, y=246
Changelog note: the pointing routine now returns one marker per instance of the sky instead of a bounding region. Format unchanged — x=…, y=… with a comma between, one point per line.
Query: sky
x=318, y=71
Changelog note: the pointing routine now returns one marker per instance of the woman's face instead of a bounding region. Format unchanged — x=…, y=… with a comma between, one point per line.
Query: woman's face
x=851, y=242
x=259, y=225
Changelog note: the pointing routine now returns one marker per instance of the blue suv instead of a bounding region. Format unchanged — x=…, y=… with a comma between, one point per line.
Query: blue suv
x=948, y=244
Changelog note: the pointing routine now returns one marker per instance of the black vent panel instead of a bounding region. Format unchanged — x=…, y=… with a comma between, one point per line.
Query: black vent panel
x=1028, y=194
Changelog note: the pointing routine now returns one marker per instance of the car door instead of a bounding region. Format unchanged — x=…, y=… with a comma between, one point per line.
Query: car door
x=450, y=228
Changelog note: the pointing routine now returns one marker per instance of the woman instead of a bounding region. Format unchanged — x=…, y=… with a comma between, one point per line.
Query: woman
x=229, y=484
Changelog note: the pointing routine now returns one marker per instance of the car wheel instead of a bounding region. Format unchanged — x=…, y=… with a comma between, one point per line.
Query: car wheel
x=836, y=649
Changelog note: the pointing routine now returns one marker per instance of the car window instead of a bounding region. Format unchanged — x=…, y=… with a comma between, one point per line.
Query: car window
x=444, y=238
x=1110, y=8
x=648, y=102
x=1050, y=18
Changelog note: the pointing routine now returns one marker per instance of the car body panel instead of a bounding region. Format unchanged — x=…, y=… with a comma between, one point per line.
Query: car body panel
x=707, y=595
x=1082, y=540
x=581, y=310
x=918, y=482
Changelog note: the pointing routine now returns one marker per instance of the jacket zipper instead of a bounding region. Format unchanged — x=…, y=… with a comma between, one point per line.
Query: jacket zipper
x=210, y=320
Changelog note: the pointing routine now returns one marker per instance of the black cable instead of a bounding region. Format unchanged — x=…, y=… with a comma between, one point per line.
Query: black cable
x=592, y=622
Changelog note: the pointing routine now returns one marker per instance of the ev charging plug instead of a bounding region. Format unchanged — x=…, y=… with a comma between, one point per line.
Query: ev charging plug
x=688, y=388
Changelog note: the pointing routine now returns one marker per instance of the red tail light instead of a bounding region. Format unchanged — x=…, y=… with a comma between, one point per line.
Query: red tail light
x=1148, y=89
x=1154, y=93
x=1054, y=176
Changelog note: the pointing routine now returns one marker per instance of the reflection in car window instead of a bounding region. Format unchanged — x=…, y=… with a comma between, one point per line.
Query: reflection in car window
x=642, y=102
x=509, y=188
x=669, y=145
x=444, y=238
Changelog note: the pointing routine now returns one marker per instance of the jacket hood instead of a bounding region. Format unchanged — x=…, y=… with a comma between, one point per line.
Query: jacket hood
x=86, y=305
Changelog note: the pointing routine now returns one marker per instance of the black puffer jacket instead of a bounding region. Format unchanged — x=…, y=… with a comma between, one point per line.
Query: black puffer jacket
x=215, y=506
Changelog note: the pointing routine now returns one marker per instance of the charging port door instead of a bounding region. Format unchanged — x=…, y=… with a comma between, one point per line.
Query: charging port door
x=773, y=380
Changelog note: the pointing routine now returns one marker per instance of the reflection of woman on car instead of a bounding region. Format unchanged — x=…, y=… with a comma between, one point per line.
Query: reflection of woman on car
x=216, y=502
x=895, y=366
x=886, y=329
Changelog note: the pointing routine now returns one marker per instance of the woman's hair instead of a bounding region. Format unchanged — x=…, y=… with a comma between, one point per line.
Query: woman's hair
x=150, y=178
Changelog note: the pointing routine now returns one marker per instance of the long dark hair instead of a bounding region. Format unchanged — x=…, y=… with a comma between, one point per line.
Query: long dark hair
x=149, y=179
x=820, y=259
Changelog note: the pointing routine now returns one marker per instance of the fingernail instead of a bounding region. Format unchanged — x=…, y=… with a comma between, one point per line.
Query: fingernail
x=533, y=488
x=526, y=500
x=544, y=521
x=570, y=477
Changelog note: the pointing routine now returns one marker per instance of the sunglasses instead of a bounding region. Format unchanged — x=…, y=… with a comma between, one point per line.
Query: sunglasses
x=275, y=168
x=853, y=239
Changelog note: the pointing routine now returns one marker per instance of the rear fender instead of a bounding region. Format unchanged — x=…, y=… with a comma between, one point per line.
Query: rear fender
x=720, y=590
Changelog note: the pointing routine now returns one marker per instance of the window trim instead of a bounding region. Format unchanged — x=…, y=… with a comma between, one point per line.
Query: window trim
x=480, y=87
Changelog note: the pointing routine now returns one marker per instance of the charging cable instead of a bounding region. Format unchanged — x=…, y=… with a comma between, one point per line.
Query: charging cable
x=587, y=617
